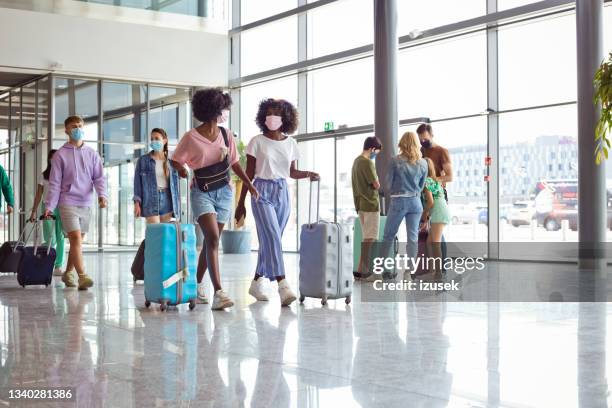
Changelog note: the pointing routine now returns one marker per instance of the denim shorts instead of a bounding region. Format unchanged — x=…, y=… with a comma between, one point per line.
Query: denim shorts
x=165, y=201
x=217, y=202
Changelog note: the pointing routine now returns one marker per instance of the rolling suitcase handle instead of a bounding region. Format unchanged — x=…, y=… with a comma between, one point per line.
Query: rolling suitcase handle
x=21, y=241
x=41, y=219
x=310, y=201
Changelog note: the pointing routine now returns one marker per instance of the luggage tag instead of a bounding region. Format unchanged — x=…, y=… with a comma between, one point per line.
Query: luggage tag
x=182, y=274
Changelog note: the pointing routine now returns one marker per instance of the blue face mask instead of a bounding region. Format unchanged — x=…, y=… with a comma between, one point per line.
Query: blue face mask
x=77, y=134
x=157, y=145
x=373, y=155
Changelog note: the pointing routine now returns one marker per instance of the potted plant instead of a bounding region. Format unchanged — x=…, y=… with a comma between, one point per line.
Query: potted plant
x=237, y=240
x=603, y=96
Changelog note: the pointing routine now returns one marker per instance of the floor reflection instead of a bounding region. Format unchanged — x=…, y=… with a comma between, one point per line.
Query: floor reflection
x=116, y=353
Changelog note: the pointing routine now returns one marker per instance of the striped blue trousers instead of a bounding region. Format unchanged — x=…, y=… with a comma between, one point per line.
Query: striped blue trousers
x=271, y=213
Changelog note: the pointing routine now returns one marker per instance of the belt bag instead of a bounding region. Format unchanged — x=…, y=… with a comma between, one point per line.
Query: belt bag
x=216, y=175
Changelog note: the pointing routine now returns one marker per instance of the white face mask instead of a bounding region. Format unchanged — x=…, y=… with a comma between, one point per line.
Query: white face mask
x=273, y=122
x=223, y=117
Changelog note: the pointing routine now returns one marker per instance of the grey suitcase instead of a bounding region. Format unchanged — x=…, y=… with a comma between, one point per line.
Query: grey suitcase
x=326, y=258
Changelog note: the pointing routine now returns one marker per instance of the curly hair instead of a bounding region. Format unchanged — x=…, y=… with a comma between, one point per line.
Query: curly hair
x=208, y=103
x=286, y=111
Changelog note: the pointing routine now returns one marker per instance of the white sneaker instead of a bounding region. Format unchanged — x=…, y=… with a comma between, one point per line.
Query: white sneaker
x=202, y=298
x=257, y=290
x=58, y=272
x=221, y=301
x=286, y=295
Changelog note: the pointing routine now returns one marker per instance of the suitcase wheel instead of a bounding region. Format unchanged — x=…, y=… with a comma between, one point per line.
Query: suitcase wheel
x=147, y=304
x=347, y=300
x=324, y=301
x=23, y=286
x=192, y=304
x=302, y=297
x=163, y=306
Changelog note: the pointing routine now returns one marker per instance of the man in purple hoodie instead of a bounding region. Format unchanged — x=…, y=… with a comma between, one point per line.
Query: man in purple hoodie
x=76, y=170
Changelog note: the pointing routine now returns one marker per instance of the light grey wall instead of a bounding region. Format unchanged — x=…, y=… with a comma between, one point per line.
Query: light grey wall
x=100, y=48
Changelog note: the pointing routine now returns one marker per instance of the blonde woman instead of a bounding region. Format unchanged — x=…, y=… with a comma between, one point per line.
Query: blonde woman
x=405, y=181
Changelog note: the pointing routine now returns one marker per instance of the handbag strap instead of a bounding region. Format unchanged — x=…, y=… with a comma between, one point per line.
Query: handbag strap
x=224, y=133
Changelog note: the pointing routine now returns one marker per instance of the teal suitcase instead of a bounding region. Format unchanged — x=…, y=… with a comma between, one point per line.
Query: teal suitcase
x=170, y=265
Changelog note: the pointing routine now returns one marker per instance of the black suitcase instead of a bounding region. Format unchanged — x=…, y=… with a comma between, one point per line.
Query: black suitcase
x=10, y=255
x=36, y=267
x=138, y=263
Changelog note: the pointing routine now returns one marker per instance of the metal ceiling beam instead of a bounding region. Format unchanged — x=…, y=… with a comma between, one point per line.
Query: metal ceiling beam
x=482, y=23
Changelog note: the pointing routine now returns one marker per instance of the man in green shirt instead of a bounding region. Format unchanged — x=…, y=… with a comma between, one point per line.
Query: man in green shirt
x=7, y=191
x=365, y=195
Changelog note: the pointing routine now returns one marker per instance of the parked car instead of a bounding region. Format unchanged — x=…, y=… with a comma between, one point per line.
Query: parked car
x=572, y=217
x=556, y=201
x=463, y=213
x=521, y=213
x=483, y=214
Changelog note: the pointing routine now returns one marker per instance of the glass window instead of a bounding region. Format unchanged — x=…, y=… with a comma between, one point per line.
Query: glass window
x=508, y=4
x=537, y=62
x=111, y=216
x=318, y=156
x=15, y=118
x=28, y=151
x=353, y=17
x=4, y=121
x=117, y=95
x=347, y=150
x=166, y=117
x=466, y=141
x=423, y=15
x=253, y=10
x=547, y=198
x=343, y=94
x=120, y=132
x=28, y=113
x=188, y=7
x=608, y=26
x=4, y=220
x=43, y=113
x=124, y=109
x=86, y=97
x=250, y=96
x=76, y=97
x=136, y=3
x=170, y=110
x=427, y=87
x=269, y=46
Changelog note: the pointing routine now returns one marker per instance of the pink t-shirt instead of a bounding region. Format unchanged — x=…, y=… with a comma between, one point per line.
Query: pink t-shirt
x=196, y=151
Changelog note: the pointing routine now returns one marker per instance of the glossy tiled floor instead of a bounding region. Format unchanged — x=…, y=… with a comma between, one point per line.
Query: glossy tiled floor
x=119, y=354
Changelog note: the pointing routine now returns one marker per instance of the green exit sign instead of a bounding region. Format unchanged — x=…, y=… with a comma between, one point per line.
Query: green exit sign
x=329, y=126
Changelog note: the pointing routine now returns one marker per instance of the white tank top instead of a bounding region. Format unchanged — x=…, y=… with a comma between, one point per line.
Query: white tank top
x=162, y=180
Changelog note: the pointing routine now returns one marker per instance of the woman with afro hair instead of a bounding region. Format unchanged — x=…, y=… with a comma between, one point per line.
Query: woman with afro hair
x=202, y=149
x=271, y=158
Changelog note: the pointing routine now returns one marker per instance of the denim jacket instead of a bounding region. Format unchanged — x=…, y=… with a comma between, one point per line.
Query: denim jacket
x=403, y=177
x=145, y=187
